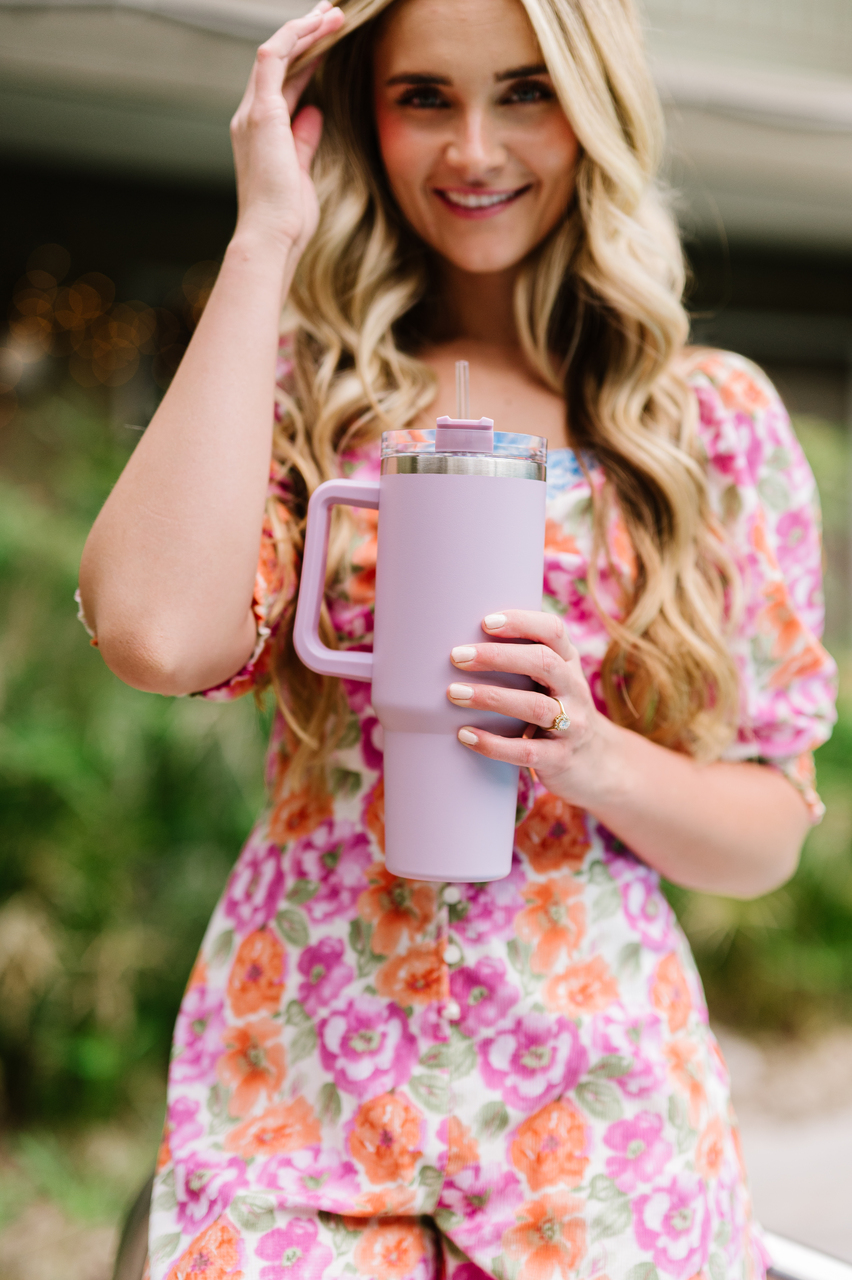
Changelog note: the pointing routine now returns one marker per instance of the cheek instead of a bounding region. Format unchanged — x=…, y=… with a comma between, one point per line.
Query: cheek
x=401, y=154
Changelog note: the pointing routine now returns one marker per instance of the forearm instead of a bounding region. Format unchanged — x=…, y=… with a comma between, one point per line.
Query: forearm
x=168, y=569
x=728, y=828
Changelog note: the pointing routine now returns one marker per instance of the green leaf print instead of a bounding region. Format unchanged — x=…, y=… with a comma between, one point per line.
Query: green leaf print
x=436, y=1057
x=491, y=1120
x=429, y=1176
x=292, y=927
x=302, y=891
x=446, y=1219
x=221, y=948
x=629, y=960
x=600, y=1099
x=295, y=1015
x=165, y=1197
x=603, y=1188
x=774, y=492
x=599, y=873
x=328, y=1104
x=432, y=1092
x=613, y=1220
x=164, y=1246
x=606, y=904
x=253, y=1212
x=345, y=783
x=462, y=1055
x=519, y=955
x=643, y=1271
x=716, y=1266
x=360, y=934
x=351, y=735
x=613, y=1066
x=303, y=1044
x=217, y=1106
x=342, y=1236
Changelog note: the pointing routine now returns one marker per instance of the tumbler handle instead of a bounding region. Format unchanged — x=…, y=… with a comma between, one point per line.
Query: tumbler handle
x=351, y=664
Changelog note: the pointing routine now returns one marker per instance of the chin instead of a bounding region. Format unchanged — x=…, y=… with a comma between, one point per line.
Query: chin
x=483, y=259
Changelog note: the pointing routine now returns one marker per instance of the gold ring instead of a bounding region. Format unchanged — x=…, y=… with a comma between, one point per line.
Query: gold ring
x=561, y=721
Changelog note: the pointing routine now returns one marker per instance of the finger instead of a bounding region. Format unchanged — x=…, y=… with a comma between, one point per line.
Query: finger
x=295, y=85
x=283, y=41
x=247, y=98
x=537, y=709
x=307, y=131
x=538, y=661
x=538, y=754
x=525, y=624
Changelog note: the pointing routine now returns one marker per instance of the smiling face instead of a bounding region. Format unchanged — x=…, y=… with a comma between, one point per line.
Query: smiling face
x=478, y=152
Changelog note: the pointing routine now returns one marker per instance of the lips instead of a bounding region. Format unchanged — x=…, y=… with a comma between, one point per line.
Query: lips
x=472, y=203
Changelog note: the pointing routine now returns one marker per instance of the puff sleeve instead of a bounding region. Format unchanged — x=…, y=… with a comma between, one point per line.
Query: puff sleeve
x=764, y=493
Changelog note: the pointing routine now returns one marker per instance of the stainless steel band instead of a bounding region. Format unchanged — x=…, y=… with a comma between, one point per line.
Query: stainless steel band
x=448, y=464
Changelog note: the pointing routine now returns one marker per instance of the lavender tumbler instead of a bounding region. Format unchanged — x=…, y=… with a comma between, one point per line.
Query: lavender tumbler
x=461, y=535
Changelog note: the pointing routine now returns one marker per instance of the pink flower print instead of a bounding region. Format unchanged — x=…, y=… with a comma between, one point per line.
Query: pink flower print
x=795, y=529
x=642, y=1152
x=372, y=743
x=312, y=1176
x=488, y=910
x=673, y=1222
x=326, y=974
x=333, y=858
x=357, y=695
x=367, y=1046
x=182, y=1121
x=485, y=1200
x=294, y=1252
x=254, y=888
x=205, y=1184
x=646, y=909
x=483, y=994
x=353, y=621
x=636, y=1039
x=198, y=1035
x=533, y=1061
x=467, y=1271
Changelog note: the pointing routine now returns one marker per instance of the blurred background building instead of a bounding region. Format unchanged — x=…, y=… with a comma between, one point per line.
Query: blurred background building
x=120, y=813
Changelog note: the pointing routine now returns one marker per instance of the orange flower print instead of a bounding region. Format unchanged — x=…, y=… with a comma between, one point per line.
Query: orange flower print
x=740, y=391
x=462, y=1148
x=390, y=1250
x=253, y=1065
x=289, y=1126
x=686, y=1072
x=418, y=976
x=553, y=835
x=164, y=1151
x=398, y=908
x=381, y=1203
x=213, y=1255
x=555, y=921
x=198, y=976
x=256, y=981
x=374, y=813
x=670, y=994
x=556, y=539
x=360, y=586
x=583, y=989
x=710, y=1151
x=550, y=1237
x=550, y=1147
x=297, y=813
x=385, y=1138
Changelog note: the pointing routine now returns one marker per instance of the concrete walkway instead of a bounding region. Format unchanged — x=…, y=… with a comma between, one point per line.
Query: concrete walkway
x=794, y=1105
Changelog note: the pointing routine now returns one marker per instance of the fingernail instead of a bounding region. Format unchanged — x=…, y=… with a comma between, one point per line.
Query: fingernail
x=464, y=653
x=461, y=692
x=468, y=738
x=494, y=621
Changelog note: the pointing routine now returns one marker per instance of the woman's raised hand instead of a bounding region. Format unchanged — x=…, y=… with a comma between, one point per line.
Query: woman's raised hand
x=567, y=760
x=272, y=157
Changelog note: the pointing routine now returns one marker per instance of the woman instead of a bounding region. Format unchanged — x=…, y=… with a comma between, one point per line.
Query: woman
x=400, y=1079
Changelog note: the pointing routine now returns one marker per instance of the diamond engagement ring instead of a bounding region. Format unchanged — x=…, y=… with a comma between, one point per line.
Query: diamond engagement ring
x=561, y=721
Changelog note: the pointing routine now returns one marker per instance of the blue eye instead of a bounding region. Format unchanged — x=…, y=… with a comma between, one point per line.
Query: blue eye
x=529, y=91
x=424, y=97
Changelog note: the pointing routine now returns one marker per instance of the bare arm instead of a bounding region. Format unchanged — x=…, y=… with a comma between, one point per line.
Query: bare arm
x=734, y=829
x=168, y=569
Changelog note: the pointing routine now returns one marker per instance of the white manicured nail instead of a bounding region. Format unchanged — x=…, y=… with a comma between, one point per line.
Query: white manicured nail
x=461, y=692
x=464, y=653
x=494, y=621
x=465, y=736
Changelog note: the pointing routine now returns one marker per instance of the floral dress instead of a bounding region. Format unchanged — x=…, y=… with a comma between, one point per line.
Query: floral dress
x=404, y=1081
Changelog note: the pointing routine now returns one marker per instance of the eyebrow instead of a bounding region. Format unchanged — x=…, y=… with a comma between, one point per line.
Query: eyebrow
x=425, y=78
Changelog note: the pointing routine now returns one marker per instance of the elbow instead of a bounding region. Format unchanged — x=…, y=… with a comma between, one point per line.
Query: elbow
x=141, y=657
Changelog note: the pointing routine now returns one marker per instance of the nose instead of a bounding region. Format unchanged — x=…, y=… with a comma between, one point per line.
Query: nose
x=475, y=149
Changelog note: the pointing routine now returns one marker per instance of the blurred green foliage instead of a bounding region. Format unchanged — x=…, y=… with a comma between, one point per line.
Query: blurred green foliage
x=122, y=812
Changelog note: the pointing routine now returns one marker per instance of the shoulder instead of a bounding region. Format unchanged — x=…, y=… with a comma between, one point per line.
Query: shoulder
x=743, y=424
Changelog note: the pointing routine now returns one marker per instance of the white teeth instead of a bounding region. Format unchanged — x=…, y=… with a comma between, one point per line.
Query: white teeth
x=470, y=200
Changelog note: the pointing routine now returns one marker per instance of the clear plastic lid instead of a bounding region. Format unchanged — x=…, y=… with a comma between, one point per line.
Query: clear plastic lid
x=507, y=444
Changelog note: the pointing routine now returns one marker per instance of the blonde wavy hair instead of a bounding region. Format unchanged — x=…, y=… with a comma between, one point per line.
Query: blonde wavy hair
x=600, y=319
